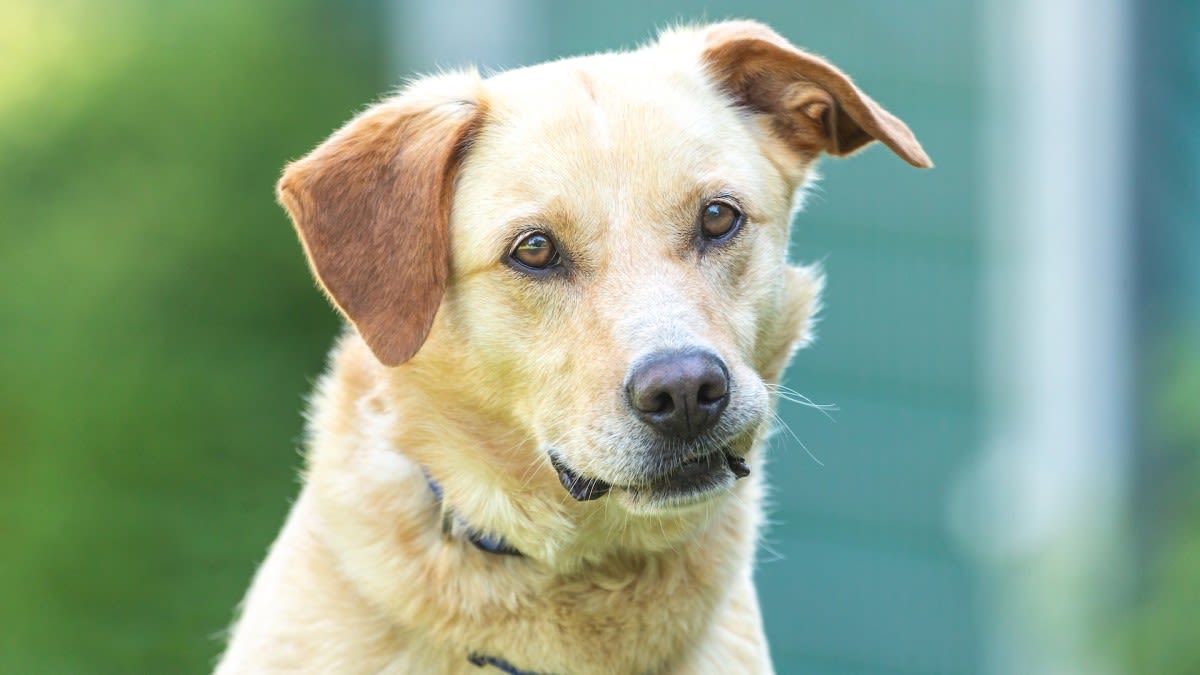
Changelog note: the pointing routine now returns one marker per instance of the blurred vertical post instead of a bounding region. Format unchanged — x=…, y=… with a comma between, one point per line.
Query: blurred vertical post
x=1044, y=508
x=491, y=34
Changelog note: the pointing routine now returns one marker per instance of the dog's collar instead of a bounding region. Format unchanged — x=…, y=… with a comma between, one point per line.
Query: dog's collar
x=484, y=542
x=481, y=661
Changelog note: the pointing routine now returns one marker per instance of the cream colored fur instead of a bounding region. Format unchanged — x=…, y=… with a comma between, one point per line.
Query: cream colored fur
x=613, y=153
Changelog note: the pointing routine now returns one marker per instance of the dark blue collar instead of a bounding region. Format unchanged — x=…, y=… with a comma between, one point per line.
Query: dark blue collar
x=481, y=661
x=483, y=541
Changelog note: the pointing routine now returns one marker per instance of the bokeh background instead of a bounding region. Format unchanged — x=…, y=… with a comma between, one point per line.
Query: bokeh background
x=1009, y=485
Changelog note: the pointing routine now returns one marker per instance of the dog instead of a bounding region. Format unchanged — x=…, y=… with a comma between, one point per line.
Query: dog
x=538, y=446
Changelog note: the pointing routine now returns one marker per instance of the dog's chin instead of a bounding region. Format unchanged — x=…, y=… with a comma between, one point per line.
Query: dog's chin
x=688, y=484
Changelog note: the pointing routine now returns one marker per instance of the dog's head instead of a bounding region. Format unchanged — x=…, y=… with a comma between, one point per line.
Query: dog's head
x=590, y=254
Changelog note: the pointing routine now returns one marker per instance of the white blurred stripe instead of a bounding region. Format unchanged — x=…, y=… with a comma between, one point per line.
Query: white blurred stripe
x=1045, y=506
x=491, y=34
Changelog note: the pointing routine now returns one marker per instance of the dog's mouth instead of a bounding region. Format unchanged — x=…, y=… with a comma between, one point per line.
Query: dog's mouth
x=693, y=477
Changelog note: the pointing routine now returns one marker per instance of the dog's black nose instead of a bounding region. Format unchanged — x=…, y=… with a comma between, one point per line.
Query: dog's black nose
x=680, y=394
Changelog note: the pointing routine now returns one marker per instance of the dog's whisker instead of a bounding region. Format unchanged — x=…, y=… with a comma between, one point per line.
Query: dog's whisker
x=807, y=402
x=765, y=545
x=796, y=438
x=792, y=396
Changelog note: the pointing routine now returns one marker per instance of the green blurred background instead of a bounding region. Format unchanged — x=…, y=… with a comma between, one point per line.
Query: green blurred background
x=159, y=329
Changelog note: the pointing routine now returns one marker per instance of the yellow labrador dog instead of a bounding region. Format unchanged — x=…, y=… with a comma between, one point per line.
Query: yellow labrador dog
x=539, y=448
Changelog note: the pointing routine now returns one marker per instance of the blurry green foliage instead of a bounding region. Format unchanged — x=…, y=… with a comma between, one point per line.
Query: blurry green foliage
x=1160, y=631
x=1159, y=635
x=154, y=307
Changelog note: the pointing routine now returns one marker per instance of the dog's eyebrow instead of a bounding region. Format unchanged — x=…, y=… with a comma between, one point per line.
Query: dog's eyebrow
x=546, y=216
x=715, y=187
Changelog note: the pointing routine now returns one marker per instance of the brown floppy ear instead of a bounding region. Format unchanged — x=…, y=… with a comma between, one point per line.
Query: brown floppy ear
x=812, y=105
x=371, y=205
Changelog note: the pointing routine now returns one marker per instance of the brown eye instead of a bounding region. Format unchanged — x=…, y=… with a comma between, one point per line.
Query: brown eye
x=535, y=251
x=719, y=220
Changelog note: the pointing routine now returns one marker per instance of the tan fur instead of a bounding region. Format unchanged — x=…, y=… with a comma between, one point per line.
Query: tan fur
x=468, y=370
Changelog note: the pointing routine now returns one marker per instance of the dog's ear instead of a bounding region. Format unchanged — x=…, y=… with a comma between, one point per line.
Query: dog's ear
x=371, y=205
x=811, y=105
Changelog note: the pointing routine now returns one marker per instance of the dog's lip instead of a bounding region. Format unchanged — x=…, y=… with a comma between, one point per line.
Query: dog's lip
x=582, y=489
x=695, y=474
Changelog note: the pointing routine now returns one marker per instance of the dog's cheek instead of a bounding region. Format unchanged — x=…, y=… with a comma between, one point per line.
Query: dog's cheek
x=508, y=338
x=755, y=304
x=793, y=330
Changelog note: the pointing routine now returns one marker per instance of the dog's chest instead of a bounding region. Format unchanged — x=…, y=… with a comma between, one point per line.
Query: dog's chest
x=635, y=621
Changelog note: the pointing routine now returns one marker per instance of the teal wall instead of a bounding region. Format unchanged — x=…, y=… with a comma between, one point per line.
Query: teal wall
x=859, y=574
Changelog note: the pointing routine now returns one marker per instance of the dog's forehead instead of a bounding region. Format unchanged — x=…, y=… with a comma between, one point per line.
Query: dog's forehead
x=628, y=108
x=603, y=139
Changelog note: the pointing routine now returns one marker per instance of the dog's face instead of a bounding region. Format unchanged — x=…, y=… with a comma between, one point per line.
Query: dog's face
x=592, y=252
x=618, y=253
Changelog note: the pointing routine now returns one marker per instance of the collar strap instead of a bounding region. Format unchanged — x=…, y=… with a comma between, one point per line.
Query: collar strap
x=481, y=540
x=481, y=661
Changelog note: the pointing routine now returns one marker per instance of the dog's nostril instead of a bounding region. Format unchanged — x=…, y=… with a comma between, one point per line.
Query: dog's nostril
x=713, y=391
x=663, y=404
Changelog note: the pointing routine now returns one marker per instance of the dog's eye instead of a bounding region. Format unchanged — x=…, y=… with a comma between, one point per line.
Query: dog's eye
x=535, y=251
x=720, y=220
